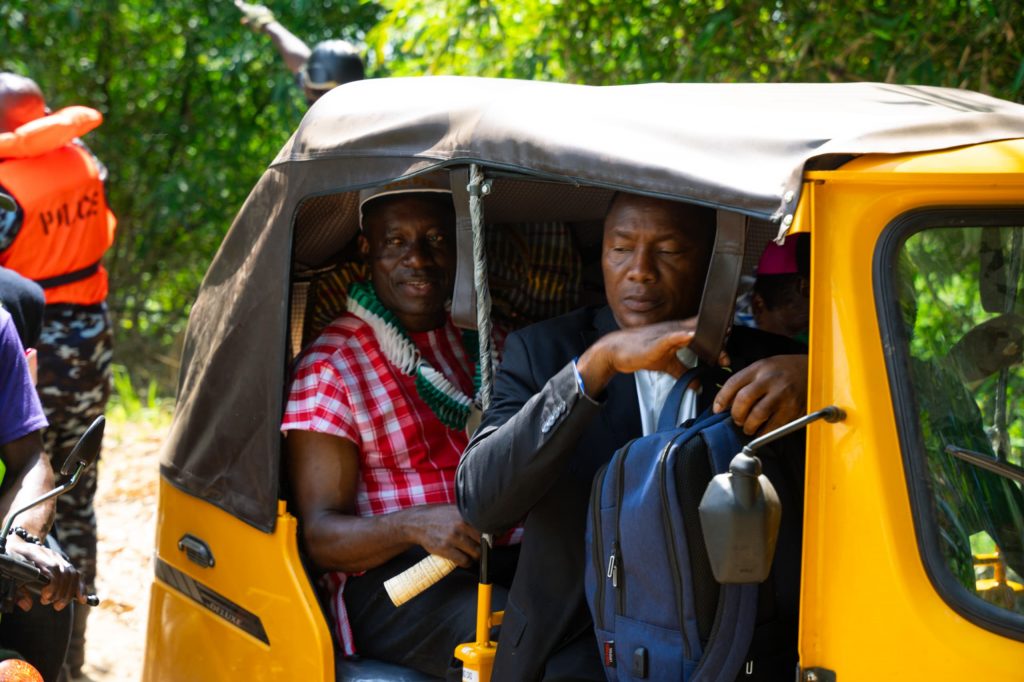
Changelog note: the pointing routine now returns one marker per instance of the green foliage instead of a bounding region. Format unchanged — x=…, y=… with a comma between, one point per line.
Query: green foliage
x=127, y=405
x=196, y=105
x=982, y=543
x=958, y=43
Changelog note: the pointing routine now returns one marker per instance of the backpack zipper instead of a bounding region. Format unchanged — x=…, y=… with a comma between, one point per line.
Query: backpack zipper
x=670, y=540
x=596, y=550
x=616, y=571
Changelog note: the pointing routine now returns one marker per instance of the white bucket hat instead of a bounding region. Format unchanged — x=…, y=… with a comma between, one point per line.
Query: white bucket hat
x=432, y=183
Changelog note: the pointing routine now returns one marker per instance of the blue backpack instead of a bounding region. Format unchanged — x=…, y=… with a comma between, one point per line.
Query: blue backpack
x=646, y=592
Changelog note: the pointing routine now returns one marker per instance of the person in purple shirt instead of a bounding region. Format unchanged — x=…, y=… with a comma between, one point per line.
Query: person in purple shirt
x=36, y=633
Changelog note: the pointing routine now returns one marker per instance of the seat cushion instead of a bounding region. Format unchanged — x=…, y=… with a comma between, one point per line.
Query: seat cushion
x=368, y=670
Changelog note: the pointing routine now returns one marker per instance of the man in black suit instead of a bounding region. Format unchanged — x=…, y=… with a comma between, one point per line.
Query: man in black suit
x=565, y=400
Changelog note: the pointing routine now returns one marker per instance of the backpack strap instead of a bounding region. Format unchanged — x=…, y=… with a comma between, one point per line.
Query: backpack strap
x=716, y=305
x=731, y=635
x=733, y=630
x=464, y=301
x=724, y=443
x=708, y=376
x=669, y=415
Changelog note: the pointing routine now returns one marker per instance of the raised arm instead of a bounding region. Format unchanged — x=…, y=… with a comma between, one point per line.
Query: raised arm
x=292, y=49
x=260, y=19
x=324, y=471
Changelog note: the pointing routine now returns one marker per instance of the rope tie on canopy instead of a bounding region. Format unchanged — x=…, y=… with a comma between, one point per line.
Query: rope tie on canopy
x=479, y=188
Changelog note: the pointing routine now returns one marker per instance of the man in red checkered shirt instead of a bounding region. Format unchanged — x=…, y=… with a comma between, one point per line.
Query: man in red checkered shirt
x=371, y=463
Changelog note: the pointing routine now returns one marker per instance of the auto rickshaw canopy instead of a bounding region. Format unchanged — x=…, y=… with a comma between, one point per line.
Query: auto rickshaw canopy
x=735, y=147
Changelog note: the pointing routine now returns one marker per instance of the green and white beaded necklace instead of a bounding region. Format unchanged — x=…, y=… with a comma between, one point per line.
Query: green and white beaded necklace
x=444, y=398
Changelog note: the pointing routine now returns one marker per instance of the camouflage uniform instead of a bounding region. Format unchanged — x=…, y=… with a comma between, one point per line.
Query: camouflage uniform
x=74, y=384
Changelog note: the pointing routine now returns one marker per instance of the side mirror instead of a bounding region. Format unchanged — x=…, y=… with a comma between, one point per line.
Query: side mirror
x=740, y=512
x=86, y=449
x=740, y=515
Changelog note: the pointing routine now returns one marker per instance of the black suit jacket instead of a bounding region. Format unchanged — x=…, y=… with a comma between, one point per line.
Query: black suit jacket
x=533, y=459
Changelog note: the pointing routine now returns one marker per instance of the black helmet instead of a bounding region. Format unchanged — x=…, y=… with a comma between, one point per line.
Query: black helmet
x=330, y=64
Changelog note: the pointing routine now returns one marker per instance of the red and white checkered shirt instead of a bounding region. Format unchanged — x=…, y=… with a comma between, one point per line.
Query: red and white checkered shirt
x=344, y=386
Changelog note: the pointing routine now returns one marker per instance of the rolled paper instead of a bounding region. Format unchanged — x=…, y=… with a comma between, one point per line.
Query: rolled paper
x=417, y=578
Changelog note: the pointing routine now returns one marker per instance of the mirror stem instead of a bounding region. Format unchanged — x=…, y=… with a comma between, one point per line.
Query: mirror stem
x=60, y=490
x=831, y=414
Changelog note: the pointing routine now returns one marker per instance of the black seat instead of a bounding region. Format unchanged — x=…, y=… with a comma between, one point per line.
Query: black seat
x=367, y=670
x=357, y=669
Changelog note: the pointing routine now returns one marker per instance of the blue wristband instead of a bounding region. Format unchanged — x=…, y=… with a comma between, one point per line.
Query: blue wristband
x=579, y=377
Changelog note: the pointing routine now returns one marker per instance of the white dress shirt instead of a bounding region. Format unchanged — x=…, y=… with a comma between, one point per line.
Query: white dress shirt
x=652, y=388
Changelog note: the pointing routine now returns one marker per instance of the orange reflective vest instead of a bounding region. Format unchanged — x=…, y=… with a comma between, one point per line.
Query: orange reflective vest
x=67, y=226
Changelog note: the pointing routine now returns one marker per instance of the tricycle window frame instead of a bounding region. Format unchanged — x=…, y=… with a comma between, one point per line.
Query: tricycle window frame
x=895, y=347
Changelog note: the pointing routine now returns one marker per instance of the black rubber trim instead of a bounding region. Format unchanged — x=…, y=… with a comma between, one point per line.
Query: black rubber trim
x=214, y=602
x=894, y=345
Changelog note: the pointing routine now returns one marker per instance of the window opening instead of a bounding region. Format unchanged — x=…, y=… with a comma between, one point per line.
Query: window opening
x=957, y=293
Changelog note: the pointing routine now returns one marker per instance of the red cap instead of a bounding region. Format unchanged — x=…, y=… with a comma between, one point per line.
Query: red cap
x=779, y=260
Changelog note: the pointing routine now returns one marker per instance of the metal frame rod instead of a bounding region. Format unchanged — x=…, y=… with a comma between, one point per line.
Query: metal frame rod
x=831, y=414
x=996, y=466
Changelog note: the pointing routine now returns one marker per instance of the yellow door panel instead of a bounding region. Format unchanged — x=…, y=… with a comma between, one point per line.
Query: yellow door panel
x=251, y=616
x=868, y=609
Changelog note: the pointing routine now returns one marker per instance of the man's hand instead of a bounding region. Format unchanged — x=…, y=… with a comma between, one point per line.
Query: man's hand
x=65, y=581
x=651, y=347
x=254, y=16
x=767, y=394
x=440, y=530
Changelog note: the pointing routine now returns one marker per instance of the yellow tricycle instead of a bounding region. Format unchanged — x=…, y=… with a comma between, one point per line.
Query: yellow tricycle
x=913, y=198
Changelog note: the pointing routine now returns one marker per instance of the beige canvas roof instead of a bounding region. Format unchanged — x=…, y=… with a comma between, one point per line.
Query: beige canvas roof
x=740, y=147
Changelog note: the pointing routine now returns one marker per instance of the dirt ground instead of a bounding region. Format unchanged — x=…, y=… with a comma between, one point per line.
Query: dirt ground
x=126, y=512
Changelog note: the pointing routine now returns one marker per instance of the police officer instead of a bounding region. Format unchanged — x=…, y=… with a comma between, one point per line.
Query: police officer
x=56, y=235
x=328, y=65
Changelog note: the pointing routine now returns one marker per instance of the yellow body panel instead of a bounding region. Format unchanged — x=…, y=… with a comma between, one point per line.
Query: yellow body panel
x=259, y=572
x=868, y=609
